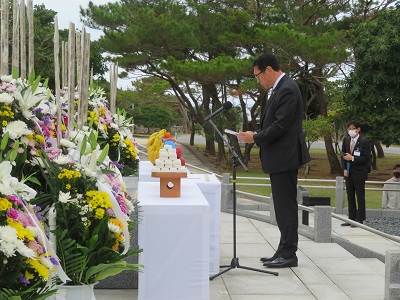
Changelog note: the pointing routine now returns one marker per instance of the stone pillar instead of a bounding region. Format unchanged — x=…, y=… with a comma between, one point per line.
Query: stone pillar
x=339, y=195
x=322, y=224
x=226, y=193
x=392, y=275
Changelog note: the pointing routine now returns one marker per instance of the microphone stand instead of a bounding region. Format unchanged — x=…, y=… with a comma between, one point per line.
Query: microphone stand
x=235, y=260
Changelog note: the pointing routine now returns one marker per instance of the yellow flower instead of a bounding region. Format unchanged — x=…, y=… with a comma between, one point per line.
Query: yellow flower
x=22, y=232
x=29, y=276
x=39, y=268
x=39, y=139
x=99, y=213
x=5, y=204
x=68, y=186
x=69, y=174
x=4, y=123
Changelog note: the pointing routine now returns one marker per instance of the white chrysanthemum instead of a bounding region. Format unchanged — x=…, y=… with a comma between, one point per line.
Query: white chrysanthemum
x=64, y=197
x=24, y=141
x=24, y=250
x=67, y=143
x=129, y=206
x=8, y=233
x=62, y=159
x=6, y=98
x=8, y=238
x=8, y=249
x=46, y=262
x=114, y=228
x=16, y=129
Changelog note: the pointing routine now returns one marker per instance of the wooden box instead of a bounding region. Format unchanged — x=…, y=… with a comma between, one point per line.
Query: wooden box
x=170, y=183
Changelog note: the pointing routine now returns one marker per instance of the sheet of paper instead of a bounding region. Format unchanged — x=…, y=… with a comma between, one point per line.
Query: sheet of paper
x=231, y=132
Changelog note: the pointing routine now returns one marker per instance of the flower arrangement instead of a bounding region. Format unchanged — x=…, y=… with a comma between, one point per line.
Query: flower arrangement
x=27, y=265
x=27, y=121
x=74, y=177
x=92, y=212
x=116, y=131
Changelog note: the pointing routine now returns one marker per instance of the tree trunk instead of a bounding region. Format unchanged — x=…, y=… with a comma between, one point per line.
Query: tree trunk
x=330, y=151
x=192, y=133
x=185, y=121
x=379, y=149
x=247, y=152
x=373, y=162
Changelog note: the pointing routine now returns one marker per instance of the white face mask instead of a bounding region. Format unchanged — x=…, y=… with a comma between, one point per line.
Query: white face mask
x=352, y=132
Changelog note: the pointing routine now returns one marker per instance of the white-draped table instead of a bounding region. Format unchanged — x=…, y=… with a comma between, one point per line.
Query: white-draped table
x=174, y=236
x=210, y=186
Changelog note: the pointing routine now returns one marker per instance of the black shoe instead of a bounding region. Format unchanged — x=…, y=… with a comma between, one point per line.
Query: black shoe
x=281, y=262
x=266, y=259
x=345, y=224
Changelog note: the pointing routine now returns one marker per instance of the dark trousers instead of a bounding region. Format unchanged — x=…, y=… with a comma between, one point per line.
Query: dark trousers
x=284, y=194
x=356, y=188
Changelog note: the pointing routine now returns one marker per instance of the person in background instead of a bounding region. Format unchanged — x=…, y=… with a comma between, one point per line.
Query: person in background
x=282, y=151
x=356, y=164
x=391, y=199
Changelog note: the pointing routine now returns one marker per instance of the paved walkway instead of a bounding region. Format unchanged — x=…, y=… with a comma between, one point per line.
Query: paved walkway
x=326, y=271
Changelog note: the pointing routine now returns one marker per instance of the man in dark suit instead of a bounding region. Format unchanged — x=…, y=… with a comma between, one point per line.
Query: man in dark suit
x=282, y=151
x=356, y=164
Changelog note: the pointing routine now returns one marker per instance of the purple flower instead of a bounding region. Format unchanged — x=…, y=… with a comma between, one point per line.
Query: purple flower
x=118, y=165
x=123, y=208
x=41, y=218
x=54, y=261
x=47, y=120
x=23, y=279
x=37, y=208
x=12, y=213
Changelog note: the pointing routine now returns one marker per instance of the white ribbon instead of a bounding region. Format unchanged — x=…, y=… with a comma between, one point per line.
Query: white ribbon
x=118, y=214
x=46, y=243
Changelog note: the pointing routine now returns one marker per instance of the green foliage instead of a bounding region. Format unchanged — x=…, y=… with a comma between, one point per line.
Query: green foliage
x=372, y=91
x=154, y=115
x=315, y=129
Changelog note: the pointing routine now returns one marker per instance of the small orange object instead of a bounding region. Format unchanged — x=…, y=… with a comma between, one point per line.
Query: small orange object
x=167, y=134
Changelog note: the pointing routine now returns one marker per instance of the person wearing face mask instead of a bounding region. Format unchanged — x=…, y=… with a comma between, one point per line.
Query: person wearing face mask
x=356, y=164
x=391, y=199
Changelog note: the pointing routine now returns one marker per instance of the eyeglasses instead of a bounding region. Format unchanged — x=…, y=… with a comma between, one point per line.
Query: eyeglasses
x=256, y=76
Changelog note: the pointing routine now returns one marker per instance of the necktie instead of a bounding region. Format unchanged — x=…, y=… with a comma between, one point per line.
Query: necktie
x=351, y=146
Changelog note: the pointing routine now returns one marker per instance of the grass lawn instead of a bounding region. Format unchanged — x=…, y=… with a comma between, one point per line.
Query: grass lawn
x=319, y=169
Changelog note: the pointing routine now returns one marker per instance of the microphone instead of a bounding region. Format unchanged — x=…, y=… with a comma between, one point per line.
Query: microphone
x=226, y=106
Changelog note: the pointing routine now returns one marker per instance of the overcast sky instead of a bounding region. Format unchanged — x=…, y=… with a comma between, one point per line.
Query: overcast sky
x=68, y=11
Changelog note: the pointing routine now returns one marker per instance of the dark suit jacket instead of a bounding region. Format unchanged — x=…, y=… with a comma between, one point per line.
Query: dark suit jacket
x=281, y=138
x=361, y=166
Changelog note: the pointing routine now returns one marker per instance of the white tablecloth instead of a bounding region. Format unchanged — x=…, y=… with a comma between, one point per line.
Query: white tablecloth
x=145, y=172
x=174, y=236
x=210, y=186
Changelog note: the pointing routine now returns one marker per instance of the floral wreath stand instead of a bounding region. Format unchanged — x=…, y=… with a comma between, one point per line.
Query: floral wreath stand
x=170, y=183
